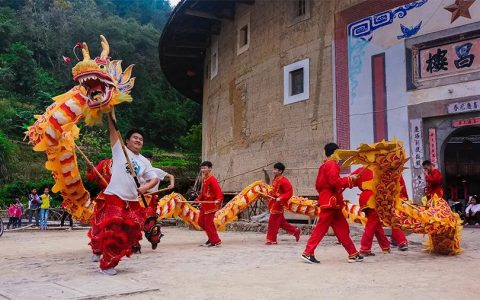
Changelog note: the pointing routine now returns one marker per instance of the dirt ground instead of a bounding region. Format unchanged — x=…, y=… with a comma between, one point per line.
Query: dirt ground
x=56, y=265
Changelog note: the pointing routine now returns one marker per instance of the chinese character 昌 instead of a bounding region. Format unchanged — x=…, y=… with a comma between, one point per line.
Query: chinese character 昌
x=465, y=59
x=437, y=62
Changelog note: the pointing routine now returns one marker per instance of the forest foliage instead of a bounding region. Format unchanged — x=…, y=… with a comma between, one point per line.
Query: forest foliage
x=35, y=35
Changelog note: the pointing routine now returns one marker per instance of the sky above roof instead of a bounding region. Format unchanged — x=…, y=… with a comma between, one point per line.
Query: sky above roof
x=173, y=3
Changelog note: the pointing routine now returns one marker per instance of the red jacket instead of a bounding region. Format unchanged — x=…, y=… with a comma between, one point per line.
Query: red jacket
x=104, y=167
x=330, y=185
x=434, y=184
x=281, y=187
x=210, y=192
x=365, y=176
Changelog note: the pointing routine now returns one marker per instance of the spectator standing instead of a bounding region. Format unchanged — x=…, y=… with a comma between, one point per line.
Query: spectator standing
x=19, y=212
x=12, y=216
x=33, y=206
x=44, y=207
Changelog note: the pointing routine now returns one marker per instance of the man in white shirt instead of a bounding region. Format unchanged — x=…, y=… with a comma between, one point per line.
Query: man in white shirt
x=472, y=212
x=124, y=217
x=161, y=174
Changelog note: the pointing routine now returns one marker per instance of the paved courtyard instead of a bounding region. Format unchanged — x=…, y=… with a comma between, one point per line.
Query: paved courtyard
x=56, y=265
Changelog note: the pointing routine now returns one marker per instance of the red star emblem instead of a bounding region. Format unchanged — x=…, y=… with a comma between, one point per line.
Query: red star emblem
x=460, y=9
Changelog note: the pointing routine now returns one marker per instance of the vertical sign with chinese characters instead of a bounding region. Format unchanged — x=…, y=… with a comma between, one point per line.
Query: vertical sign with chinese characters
x=416, y=141
x=432, y=143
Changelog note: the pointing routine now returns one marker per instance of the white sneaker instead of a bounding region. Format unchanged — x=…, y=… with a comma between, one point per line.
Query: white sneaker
x=109, y=272
x=95, y=257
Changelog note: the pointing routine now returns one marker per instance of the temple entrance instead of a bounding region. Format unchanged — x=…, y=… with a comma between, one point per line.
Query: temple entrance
x=462, y=163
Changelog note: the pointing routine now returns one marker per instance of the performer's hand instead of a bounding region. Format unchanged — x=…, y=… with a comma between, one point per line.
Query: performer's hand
x=170, y=186
x=277, y=199
x=142, y=190
x=354, y=177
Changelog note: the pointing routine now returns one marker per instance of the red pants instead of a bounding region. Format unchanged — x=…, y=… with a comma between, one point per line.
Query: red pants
x=373, y=228
x=399, y=237
x=331, y=217
x=275, y=222
x=206, y=222
x=96, y=220
x=120, y=229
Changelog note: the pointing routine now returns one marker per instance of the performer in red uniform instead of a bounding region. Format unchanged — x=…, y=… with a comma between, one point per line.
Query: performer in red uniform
x=330, y=186
x=433, y=177
x=398, y=237
x=151, y=211
x=210, y=199
x=123, y=216
x=282, y=191
x=373, y=227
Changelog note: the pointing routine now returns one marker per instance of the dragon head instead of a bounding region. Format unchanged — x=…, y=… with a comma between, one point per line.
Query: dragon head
x=101, y=82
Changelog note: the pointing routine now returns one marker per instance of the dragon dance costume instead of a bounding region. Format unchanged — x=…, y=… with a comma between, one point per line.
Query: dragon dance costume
x=373, y=227
x=104, y=168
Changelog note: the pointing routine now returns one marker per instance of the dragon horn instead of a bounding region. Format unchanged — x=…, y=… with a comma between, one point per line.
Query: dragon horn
x=85, y=52
x=105, y=47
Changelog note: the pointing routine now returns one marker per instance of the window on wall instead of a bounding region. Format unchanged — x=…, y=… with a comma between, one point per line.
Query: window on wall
x=300, y=7
x=299, y=10
x=243, y=34
x=214, y=58
x=296, y=79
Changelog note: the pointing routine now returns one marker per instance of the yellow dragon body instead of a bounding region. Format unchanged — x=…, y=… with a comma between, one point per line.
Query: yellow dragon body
x=387, y=160
x=101, y=84
x=175, y=205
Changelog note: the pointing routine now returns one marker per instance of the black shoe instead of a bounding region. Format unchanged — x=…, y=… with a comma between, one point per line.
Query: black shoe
x=210, y=245
x=137, y=249
x=355, y=258
x=206, y=244
x=403, y=247
x=310, y=259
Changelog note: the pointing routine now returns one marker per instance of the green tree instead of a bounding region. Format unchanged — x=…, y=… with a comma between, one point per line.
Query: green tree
x=7, y=156
x=17, y=69
x=192, y=141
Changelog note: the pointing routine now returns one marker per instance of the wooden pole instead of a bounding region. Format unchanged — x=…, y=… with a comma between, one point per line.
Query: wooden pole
x=91, y=165
x=156, y=192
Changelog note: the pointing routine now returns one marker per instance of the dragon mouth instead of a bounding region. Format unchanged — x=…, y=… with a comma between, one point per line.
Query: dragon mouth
x=98, y=87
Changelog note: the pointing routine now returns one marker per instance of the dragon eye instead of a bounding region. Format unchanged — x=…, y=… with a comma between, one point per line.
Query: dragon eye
x=102, y=66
